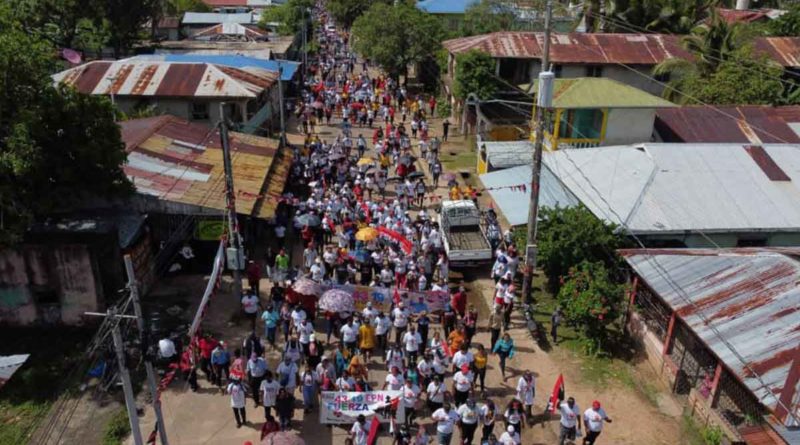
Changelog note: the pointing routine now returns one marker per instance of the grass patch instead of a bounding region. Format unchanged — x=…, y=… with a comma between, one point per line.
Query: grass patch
x=691, y=432
x=117, y=428
x=27, y=397
x=459, y=161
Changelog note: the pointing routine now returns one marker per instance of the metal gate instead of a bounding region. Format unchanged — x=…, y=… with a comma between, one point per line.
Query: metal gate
x=691, y=357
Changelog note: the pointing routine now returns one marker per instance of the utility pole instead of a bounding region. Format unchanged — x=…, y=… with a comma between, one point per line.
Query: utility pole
x=125, y=376
x=235, y=252
x=280, y=101
x=133, y=286
x=305, y=36
x=544, y=98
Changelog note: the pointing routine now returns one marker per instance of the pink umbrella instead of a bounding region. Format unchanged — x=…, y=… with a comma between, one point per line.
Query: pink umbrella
x=337, y=300
x=283, y=438
x=306, y=287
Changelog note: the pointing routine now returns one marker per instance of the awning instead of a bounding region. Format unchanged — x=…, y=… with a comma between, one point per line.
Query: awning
x=9, y=364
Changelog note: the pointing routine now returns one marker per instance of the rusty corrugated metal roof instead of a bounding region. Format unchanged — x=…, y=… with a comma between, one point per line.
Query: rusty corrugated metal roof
x=180, y=161
x=748, y=297
x=138, y=77
x=754, y=124
x=607, y=48
x=742, y=16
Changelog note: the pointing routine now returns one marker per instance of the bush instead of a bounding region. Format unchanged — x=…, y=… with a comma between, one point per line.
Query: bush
x=117, y=428
x=712, y=435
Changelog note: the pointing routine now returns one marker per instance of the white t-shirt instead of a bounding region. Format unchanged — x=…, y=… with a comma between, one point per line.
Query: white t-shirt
x=304, y=332
x=513, y=417
x=435, y=392
x=461, y=358
x=569, y=416
x=594, y=419
x=410, y=396
x=382, y=325
x=298, y=315
x=345, y=383
x=349, y=333
x=508, y=439
x=400, y=317
x=525, y=390
x=445, y=421
x=369, y=313
x=469, y=415
x=487, y=415
x=463, y=381
x=412, y=341
x=250, y=304
x=309, y=378
x=238, y=395
x=394, y=358
x=289, y=370
x=394, y=382
x=269, y=390
x=424, y=368
x=360, y=433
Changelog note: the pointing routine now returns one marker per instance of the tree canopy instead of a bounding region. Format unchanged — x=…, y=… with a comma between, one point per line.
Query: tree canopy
x=396, y=36
x=289, y=15
x=569, y=236
x=787, y=25
x=345, y=12
x=487, y=16
x=475, y=74
x=56, y=145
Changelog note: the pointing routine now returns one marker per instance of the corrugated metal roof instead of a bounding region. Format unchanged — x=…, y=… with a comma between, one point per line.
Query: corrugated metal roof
x=9, y=364
x=513, y=203
x=600, y=92
x=138, y=77
x=755, y=124
x=213, y=18
x=507, y=154
x=600, y=48
x=219, y=3
x=677, y=188
x=445, y=6
x=275, y=44
x=179, y=161
x=748, y=297
x=741, y=16
x=248, y=33
x=289, y=68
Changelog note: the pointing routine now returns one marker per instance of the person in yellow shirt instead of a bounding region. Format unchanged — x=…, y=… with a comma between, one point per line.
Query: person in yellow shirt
x=456, y=339
x=357, y=368
x=455, y=193
x=366, y=339
x=481, y=357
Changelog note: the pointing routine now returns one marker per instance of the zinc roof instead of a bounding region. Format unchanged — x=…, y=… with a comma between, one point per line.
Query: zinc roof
x=180, y=161
x=227, y=29
x=445, y=6
x=600, y=92
x=137, y=77
x=212, y=18
x=744, y=304
x=506, y=154
x=234, y=61
x=755, y=124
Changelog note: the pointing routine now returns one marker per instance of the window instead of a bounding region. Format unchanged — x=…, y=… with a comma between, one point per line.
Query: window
x=580, y=124
x=200, y=111
x=594, y=71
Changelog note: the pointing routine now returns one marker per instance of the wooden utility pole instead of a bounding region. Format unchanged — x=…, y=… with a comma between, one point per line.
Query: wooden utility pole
x=544, y=99
x=235, y=251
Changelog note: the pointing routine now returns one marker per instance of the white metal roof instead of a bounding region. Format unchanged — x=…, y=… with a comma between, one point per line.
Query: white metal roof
x=508, y=154
x=662, y=188
x=213, y=18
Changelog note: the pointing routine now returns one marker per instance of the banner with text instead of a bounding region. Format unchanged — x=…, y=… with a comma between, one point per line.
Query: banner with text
x=344, y=407
x=382, y=298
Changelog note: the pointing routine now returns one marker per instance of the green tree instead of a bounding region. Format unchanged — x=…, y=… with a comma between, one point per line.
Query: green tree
x=289, y=15
x=127, y=20
x=488, y=16
x=396, y=36
x=664, y=16
x=742, y=79
x=56, y=146
x=475, y=73
x=788, y=24
x=591, y=300
x=571, y=235
x=345, y=12
x=179, y=7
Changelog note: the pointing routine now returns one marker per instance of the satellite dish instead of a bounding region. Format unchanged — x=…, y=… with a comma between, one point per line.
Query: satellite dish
x=71, y=56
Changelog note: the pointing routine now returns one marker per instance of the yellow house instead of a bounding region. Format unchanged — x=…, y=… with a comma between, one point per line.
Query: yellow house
x=595, y=111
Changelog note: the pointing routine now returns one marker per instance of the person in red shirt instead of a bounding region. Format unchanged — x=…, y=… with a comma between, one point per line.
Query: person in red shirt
x=459, y=301
x=206, y=346
x=307, y=234
x=253, y=272
x=432, y=104
x=391, y=115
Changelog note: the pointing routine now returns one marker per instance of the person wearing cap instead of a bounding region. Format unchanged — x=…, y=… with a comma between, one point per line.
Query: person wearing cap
x=570, y=420
x=463, y=357
x=349, y=335
x=470, y=415
x=510, y=436
x=446, y=419
x=526, y=390
x=463, y=380
x=593, y=419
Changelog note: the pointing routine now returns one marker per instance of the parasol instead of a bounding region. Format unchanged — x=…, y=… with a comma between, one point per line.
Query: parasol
x=283, y=438
x=307, y=219
x=317, y=104
x=367, y=234
x=365, y=161
x=305, y=286
x=415, y=175
x=359, y=255
x=337, y=300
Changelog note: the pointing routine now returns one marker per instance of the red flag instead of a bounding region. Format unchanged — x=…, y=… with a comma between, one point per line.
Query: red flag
x=446, y=349
x=396, y=296
x=558, y=394
x=374, y=426
x=151, y=439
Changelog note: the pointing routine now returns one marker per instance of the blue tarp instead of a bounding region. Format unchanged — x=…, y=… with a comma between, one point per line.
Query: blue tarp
x=445, y=6
x=234, y=61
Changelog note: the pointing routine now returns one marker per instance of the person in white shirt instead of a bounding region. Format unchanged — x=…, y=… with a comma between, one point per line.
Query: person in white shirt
x=349, y=335
x=410, y=397
x=412, y=340
x=462, y=384
x=238, y=397
x=425, y=369
x=359, y=432
x=309, y=256
x=250, y=307
x=469, y=415
x=304, y=332
x=346, y=382
x=395, y=358
x=287, y=374
x=526, y=390
x=435, y=393
x=309, y=381
x=269, y=390
x=400, y=315
x=382, y=326
x=593, y=419
x=446, y=419
x=510, y=437
x=298, y=316
x=488, y=413
x=394, y=380
x=317, y=271
x=369, y=313
x=570, y=420
x=463, y=357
